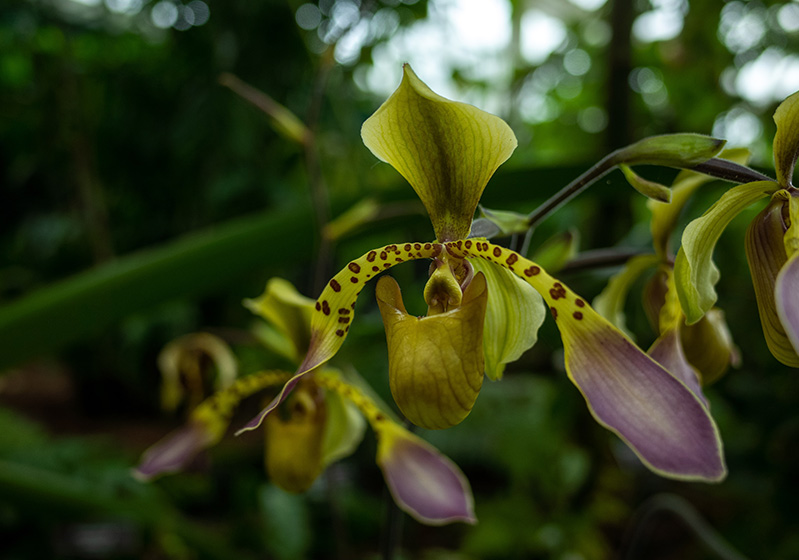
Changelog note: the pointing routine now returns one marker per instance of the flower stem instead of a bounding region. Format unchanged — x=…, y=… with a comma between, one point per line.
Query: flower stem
x=707, y=536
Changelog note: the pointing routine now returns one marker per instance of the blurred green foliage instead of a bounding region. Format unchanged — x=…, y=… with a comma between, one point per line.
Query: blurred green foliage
x=140, y=200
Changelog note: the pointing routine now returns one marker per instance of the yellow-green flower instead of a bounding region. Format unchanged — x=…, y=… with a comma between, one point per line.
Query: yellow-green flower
x=448, y=151
x=320, y=423
x=772, y=245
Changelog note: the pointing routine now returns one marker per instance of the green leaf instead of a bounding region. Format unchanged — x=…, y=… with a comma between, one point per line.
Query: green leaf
x=695, y=274
x=446, y=150
x=514, y=314
x=649, y=189
x=362, y=212
x=47, y=319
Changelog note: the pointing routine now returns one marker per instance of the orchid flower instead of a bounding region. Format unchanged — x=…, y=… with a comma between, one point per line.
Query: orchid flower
x=322, y=422
x=484, y=296
x=772, y=243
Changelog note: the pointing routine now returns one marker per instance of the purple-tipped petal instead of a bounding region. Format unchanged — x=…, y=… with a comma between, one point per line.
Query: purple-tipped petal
x=787, y=299
x=175, y=451
x=424, y=483
x=668, y=352
x=666, y=425
x=628, y=392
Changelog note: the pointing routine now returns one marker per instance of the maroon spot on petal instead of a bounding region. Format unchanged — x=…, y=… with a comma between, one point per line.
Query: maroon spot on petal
x=335, y=285
x=577, y=315
x=468, y=244
x=383, y=255
x=554, y=312
x=343, y=311
x=579, y=303
x=339, y=333
x=392, y=248
x=318, y=306
x=354, y=267
x=554, y=293
x=407, y=247
x=387, y=265
x=427, y=246
x=375, y=268
x=398, y=259
x=354, y=279
x=417, y=246
x=343, y=320
x=371, y=256
x=532, y=271
x=325, y=308
x=512, y=258
x=497, y=251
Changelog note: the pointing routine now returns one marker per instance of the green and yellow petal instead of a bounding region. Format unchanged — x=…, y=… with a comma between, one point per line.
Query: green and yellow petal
x=514, y=313
x=446, y=150
x=436, y=362
x=289, y=313
x=786, y=141
x=694, y=270
x=766, y=255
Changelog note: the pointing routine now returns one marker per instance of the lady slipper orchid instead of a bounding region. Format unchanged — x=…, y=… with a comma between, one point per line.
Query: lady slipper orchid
x=772, y=245
x=322, y=422
x=448, y=151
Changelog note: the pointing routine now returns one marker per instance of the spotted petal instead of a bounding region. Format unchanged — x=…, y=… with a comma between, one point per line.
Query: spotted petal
x=695, y=273
x=205, y=428
x=423, y=482
x=335, y=309
x=446, y=150
x=629, y=393
x=786, y=141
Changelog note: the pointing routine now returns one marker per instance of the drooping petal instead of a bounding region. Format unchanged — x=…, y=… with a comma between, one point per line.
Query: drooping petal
x=424, y=483
x=786, y=141
x=288, y=311
x=694, y=270
x=205, y=428
x=667, y=351
x=293, y=451
x=446, y=150
x=787, y=299
x=628, y=392
x=765, y=252
x=335, y=310
x=514, y=313
x=610, y=302
x=665, y=215
x=709, y=347
x=435, y=363
x=176, y=451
